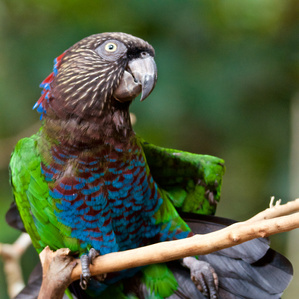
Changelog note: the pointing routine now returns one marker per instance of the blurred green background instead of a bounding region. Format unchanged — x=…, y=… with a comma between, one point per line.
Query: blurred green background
x=228, y=72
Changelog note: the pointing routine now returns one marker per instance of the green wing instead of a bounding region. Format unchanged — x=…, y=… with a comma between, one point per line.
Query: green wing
x=192, y=181
x=36, y=207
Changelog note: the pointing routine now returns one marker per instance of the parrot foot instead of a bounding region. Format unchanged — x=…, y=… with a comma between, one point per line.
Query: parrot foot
x=203, y=276
x=86, y=260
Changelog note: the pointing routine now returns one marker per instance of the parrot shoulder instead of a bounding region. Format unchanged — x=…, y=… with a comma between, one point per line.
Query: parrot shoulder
x=31, y=192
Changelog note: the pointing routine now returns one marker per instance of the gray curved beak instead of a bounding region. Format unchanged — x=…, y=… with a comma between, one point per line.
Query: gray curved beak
x=144, y=71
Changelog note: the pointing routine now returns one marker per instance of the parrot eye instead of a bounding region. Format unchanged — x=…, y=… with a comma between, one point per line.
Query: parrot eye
x=111, y=50
x=110, y=47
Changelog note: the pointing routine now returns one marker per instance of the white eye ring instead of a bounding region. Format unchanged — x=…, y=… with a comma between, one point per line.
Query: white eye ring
x=110, y=47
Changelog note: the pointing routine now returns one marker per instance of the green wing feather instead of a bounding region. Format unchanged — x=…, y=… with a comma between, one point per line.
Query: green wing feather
x=36, y=206
x=191, y=181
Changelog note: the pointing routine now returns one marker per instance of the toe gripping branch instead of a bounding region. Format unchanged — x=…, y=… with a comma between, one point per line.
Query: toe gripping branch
x=85, y=276
x=86, y=260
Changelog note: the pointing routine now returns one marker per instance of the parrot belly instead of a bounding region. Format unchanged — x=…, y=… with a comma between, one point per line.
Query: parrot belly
x=109, y=205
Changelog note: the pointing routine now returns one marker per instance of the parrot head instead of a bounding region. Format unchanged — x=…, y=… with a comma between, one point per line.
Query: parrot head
x=97, y=76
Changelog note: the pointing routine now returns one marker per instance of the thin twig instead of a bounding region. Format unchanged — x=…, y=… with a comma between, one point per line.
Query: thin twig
x=11, y=255
x=277, y=210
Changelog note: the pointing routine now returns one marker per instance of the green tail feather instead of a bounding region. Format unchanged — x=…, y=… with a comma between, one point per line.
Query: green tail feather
x=159, y=280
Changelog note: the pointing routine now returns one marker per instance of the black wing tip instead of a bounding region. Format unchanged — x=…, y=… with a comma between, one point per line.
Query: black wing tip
x=13, y=218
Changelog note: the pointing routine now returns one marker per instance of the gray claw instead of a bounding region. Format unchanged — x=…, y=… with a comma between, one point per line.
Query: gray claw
x=86, y=260
x=203, y=276
x=85, y=276
x=92, y=254
x=83, y=282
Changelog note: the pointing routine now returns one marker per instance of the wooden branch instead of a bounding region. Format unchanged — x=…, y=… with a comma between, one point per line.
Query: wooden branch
x=64, y=270
x=197, y=245
x=57, y=269
x=11, y=254
x=277, y=210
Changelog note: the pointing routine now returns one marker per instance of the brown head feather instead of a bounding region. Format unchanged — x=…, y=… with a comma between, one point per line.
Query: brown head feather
x=81, y=105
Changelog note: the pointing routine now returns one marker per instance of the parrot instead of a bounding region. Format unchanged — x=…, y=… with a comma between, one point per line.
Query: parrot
x=86, y=181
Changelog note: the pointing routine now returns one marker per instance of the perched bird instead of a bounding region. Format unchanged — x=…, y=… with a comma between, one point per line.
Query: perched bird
x=87, y=182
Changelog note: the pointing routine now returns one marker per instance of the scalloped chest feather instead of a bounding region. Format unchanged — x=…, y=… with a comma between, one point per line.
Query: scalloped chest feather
x=107, y=197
